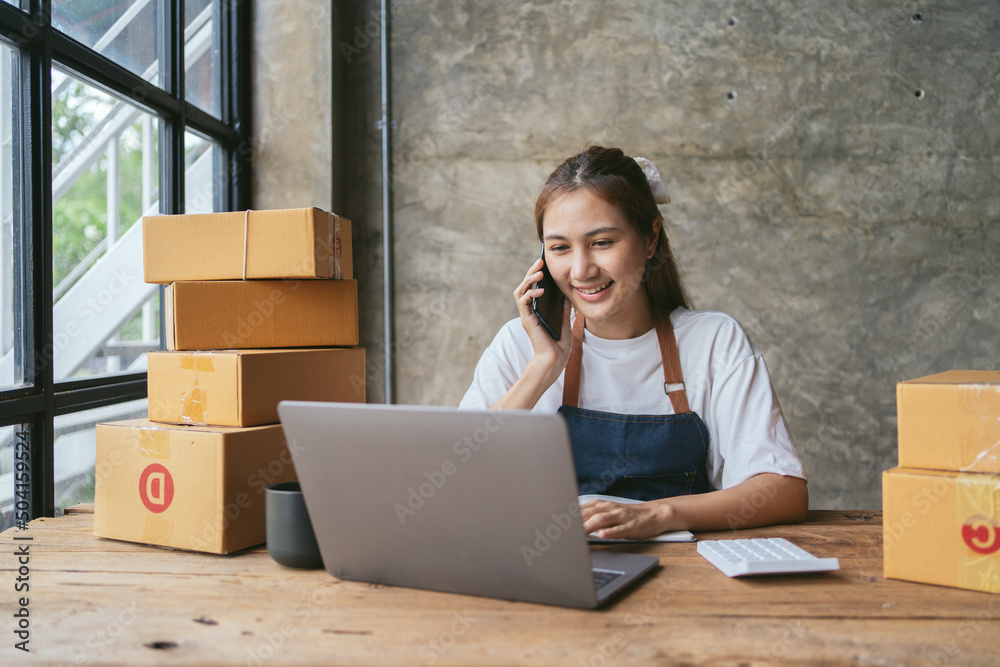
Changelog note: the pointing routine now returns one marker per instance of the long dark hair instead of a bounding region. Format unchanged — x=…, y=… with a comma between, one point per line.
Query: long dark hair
x=619, y=180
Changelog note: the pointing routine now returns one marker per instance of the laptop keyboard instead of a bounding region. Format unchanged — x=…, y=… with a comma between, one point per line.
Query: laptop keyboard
x=604, y=577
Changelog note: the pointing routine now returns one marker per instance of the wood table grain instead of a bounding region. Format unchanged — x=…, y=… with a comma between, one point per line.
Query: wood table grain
x=97, y=601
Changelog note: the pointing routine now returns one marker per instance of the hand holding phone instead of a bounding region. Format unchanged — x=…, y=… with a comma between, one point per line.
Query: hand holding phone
x=549, y=307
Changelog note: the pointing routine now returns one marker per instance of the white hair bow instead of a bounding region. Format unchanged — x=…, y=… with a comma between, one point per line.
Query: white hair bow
x=660, y=195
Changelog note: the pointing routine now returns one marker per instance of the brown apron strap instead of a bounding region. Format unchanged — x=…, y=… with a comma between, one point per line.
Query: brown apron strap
x=571, y=381
x=673, y=380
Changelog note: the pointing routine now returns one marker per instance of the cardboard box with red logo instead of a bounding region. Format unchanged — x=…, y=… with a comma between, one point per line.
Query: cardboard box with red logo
x=941, y=506
x=942, y=527
x=186, y=487
x=243, y=387
x=248, y=245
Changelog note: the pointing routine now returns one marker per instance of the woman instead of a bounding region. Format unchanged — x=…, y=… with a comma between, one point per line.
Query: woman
x=664, y=404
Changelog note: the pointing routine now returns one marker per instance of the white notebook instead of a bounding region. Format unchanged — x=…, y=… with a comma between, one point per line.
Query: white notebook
x=672, y=536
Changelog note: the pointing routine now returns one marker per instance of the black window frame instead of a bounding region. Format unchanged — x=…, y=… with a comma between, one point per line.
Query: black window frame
x=36, y=404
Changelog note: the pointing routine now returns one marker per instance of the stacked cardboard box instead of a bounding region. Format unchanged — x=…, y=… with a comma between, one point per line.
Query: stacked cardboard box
x=260, y=306
x=941, y=506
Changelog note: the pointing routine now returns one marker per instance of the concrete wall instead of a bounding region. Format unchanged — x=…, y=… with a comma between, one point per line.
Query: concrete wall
x=314, y=136
x=293, y=107
x=833, y=170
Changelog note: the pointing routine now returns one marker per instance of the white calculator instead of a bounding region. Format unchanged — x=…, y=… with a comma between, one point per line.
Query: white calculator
x=768, y=555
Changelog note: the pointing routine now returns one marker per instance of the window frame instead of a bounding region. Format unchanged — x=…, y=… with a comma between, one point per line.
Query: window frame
x=36, y=404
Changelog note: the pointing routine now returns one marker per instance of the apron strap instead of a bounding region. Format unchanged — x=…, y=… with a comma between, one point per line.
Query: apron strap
x=673, y=381
x=571, y=380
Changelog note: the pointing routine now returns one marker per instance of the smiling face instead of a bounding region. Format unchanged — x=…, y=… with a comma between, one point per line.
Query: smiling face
x=598, y=260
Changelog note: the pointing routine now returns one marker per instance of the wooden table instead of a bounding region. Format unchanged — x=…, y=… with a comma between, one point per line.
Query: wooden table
x=97, y=601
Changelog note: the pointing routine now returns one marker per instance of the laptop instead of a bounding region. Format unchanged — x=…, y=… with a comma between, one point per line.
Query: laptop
x=479, y=503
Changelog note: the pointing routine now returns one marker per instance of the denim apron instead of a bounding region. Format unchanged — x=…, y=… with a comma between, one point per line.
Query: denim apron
x=644, y=457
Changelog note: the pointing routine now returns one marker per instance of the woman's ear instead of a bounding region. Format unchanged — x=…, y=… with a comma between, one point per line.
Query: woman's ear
x=654, y=237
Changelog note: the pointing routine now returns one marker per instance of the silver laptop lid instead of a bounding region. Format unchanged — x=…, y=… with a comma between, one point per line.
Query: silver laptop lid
x=481, y=503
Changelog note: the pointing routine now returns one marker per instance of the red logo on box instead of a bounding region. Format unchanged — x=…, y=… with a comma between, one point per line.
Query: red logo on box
x=156, y=488
x=981, y=535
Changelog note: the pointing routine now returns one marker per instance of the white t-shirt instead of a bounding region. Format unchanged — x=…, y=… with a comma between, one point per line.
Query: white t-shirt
x=725, y=378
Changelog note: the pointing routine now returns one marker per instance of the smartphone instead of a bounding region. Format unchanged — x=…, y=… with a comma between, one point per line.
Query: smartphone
x=549, y=307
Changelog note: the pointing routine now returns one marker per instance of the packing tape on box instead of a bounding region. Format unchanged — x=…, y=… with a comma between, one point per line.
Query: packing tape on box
x=156, y=529
x=198, y=362
x=194, y=404
x=155, y=443
x=987, y=459
x=334, y=236
x=978, y=507
x=246, y=231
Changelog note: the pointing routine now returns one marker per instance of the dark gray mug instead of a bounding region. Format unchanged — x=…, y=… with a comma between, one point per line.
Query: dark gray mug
x=290, y=537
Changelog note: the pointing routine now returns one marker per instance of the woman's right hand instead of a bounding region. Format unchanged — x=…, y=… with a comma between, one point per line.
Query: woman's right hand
x=551, y=355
